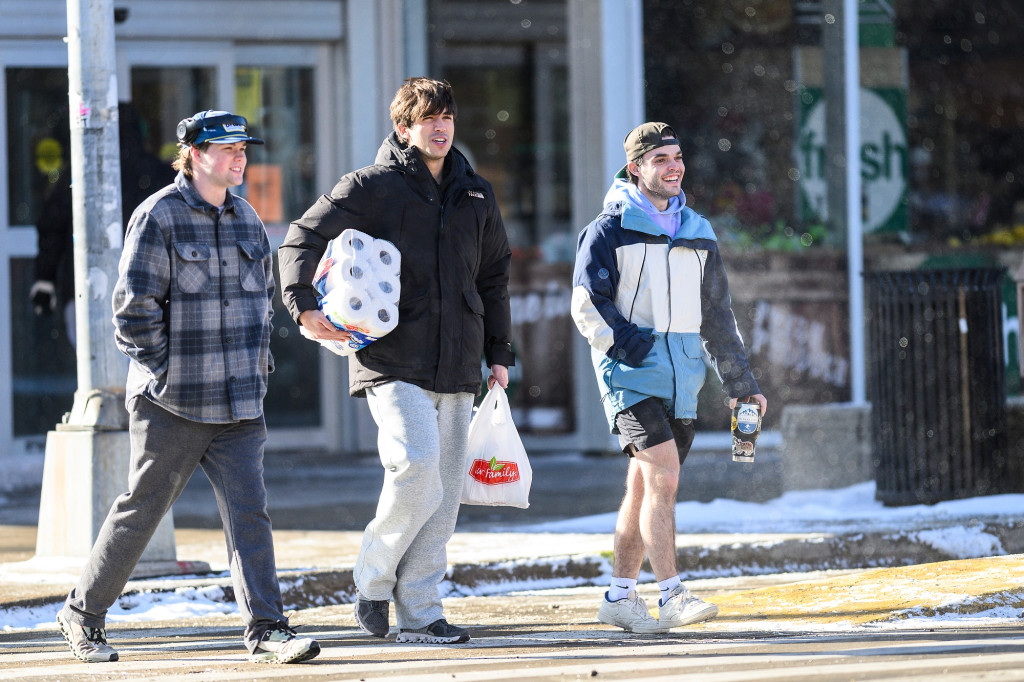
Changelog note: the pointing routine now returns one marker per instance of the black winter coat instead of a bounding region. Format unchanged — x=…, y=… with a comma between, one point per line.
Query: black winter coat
x=454, y=304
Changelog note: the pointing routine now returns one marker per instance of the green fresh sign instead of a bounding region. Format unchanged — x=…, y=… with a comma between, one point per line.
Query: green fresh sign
x=883, y=158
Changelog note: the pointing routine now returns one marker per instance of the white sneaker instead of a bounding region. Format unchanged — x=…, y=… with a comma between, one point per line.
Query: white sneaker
x=682, y=608
x=281, y=644
x=630, y=614
x=87, y=644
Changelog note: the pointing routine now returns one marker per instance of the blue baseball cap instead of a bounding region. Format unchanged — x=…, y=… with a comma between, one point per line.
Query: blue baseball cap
x=217, y=127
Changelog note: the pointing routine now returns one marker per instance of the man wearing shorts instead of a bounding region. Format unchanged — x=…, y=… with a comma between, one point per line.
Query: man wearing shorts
x=650, y=295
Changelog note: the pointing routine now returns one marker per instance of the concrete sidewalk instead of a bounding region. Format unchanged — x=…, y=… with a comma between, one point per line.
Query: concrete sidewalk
x=315, y=568
x=801, y=628
x=319, y=508
x=820, y=601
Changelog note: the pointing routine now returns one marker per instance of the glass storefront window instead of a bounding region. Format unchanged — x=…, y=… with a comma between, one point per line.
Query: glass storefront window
x=965, y=122
x=280, y=176
x=514, y=126
x=941, y=123
x=165, y=95
x=519, y=144
x=276, y=102
x=280, y=184
x=38, y=141
x=37, y=138
x=941, y=111
x=43, y=357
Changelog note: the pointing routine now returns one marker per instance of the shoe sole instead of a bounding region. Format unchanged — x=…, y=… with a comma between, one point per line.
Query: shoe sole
x=653, y=629
x=418, y=638
x=67, y=638
x=271, y=657
x=705, y=614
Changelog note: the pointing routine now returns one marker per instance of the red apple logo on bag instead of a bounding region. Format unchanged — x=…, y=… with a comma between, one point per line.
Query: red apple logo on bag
x=494, y=472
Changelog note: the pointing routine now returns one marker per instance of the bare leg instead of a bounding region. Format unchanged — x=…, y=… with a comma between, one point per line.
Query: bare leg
x=629, y=546
x=658, y=472
x=646, y=520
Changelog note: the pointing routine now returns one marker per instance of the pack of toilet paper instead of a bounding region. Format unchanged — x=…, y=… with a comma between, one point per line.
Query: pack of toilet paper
x=358, y=285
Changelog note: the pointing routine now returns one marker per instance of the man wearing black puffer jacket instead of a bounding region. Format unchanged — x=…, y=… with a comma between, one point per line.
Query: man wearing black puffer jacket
x=422, y=195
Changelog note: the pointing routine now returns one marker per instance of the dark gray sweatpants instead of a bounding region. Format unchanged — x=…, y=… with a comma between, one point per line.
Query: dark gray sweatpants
x=165, y=450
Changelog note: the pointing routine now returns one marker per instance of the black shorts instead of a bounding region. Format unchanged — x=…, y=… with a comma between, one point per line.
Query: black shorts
x=648, y=423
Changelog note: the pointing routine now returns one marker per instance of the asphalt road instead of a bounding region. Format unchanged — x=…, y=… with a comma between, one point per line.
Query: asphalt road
x=548, y=636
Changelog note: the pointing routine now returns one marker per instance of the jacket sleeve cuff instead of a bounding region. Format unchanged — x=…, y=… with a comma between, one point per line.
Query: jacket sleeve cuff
x=633, y=350
x=500, y=354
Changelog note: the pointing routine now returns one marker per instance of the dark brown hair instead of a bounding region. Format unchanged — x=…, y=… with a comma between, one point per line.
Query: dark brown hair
x=419, y=97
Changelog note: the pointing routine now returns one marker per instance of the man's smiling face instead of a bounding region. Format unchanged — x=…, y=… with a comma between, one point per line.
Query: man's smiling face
x=223, y=164
x=660, y=174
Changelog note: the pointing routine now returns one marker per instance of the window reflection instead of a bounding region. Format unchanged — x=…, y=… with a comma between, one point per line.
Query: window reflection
x=37, y=138
x=42, y=355
x=164, y=96
x=278, y=101
x=279, y=183
x=514, y=127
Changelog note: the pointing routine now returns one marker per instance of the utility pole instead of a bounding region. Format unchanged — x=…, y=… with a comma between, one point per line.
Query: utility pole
x=87, y=456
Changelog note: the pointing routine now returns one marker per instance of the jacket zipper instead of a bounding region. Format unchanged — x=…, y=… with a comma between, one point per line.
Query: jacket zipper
x=668, y=330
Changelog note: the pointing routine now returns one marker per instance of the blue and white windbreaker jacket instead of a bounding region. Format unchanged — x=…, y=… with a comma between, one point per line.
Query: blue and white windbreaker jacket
x=651, y=306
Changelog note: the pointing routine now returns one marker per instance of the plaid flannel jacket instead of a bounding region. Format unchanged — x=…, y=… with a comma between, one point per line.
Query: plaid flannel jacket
x=193, y=304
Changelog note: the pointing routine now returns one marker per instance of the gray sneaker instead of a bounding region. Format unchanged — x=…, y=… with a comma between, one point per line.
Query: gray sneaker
x=87, y=644
x=372, y=616
x=438, y=632
x=281, y=644
x=682, y=608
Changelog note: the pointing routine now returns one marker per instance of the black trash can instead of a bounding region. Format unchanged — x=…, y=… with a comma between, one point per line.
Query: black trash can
x=936, y=381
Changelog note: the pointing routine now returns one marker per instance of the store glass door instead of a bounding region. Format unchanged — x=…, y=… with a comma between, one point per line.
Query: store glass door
x=276, y=96
x=41, y=333
x=280, y=184
x=39, y=190
x=273, y=88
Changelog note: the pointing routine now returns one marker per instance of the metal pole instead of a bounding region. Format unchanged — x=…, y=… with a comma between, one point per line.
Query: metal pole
x=96, y=202
x=854, y=205
x=88, y=456
x=842, y=139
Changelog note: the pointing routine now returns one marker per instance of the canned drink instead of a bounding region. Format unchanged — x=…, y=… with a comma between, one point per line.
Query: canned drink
x=746, y=427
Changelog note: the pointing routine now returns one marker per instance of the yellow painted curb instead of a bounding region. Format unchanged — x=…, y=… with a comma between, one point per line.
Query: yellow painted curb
x=962, y=586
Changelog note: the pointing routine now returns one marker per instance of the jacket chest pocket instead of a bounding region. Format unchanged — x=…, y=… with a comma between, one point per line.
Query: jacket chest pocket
x=193, y=266
x=464, y=229
x=250, y=266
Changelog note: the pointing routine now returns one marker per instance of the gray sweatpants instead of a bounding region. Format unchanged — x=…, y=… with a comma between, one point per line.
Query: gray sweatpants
x=166, y=449
x=422, y=443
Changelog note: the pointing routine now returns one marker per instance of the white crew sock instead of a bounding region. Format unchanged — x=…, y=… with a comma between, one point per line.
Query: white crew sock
x=666, y=586
x=620, y=588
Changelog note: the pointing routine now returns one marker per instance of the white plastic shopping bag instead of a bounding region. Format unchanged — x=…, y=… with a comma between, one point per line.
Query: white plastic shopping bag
x=498, y=472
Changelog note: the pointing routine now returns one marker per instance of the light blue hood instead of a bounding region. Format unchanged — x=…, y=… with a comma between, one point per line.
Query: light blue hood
x=638, y=213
